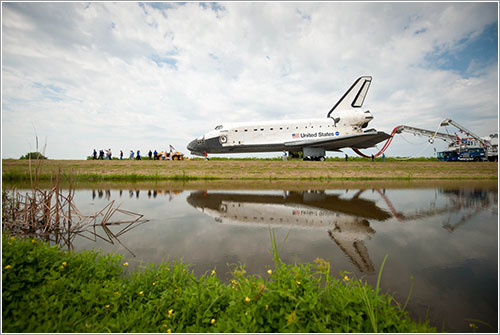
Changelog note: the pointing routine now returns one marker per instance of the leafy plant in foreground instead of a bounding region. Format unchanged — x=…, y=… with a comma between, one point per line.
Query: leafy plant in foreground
x=46, y=289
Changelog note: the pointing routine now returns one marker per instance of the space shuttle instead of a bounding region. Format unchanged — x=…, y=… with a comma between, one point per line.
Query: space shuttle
x=345, y=126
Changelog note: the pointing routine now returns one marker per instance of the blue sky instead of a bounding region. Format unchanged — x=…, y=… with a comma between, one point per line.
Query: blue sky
x=471, y=52
x=148, y=75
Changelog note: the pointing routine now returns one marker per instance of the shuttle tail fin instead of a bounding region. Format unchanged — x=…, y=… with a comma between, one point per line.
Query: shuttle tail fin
x=355, y=96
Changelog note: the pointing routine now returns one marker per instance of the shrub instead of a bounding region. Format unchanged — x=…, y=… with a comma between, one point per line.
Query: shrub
x=33, y=155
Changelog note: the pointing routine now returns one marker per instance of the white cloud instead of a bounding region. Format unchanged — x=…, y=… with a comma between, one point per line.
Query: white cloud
x=130, y=76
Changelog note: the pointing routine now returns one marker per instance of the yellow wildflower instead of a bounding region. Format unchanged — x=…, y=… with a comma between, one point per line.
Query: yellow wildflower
x=247, y=299
x=61, y=267
x=141, y=293
x=164, y=326
x=346, y=278
x=212, y=321
x=170, y=312
x=64, y=263
x=12, y=238
x=33, y=241
x=213, y=272
x=116, y=292
x=107, y=306
x=169, y=330
x=270, y=271
x=125, y=264
x=154, y=283
x=298, y=282
x=267, y=307
x=8, y=267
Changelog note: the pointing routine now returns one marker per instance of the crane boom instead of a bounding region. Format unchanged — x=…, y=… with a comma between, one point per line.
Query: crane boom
x=447, y=122
x=429, y=133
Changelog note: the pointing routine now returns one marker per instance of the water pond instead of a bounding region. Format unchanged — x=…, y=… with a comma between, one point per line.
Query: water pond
x=440, y=239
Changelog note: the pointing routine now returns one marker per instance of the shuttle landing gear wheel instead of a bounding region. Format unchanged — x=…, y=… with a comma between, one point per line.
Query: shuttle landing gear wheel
x=319, y=158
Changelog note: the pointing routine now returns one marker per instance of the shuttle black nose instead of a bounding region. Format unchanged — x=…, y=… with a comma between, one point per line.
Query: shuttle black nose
x=192, y=146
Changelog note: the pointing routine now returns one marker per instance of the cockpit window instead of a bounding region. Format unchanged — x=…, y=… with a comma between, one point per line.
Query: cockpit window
x=219, y=127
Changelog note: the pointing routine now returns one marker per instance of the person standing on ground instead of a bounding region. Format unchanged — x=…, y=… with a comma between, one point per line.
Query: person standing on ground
x=373, y=158
x=138, y=155
x=150, y=155
x=94, y=154
x=383, y=157
x=121, y=155
x=346, y=157
x=131, y=157
x=155, y=155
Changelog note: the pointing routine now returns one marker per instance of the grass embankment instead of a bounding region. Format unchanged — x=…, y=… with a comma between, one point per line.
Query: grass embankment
x=46, y=289
x=146, y=170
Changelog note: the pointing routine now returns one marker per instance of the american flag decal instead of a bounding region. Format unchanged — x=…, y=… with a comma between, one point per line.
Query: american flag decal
x=295, y=136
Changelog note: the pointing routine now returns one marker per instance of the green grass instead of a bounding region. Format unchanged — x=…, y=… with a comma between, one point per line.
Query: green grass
x=46, y=289
x=233, y=169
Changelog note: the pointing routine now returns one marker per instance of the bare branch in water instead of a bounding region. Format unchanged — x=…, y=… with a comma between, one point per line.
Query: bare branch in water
x=51, y=215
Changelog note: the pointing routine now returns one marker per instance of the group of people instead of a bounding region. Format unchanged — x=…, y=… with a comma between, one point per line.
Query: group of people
x=106, y=154
x=160, y=155
x=101, y=154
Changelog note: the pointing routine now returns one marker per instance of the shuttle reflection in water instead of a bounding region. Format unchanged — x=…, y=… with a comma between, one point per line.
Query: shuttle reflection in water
x=347, y=221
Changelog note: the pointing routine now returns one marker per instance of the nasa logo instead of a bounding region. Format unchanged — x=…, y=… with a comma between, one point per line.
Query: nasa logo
x=337, y=133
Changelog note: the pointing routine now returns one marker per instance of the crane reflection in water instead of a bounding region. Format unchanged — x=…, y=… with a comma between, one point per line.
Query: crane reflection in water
x=346, y=220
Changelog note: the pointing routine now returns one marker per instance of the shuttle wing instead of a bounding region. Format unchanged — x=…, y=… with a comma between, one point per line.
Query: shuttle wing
x=359, y=141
